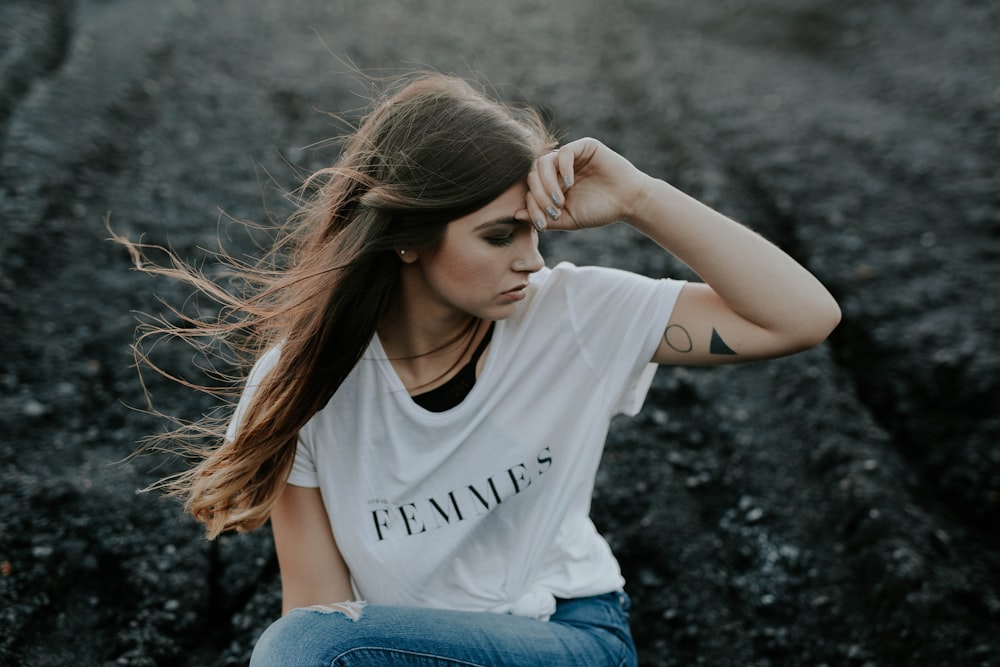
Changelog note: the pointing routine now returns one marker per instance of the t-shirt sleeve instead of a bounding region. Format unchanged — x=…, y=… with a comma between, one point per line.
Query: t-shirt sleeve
x=619, y=318
x=264, y=365
x=304, y=466
x=303, y=469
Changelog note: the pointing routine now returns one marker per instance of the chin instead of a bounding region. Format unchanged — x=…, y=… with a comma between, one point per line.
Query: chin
x=497, y=314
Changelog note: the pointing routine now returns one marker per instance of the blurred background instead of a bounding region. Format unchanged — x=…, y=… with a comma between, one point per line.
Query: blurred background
x=837, y=507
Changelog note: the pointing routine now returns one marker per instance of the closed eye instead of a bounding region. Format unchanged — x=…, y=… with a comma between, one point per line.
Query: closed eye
x=500, y=241
x=502, y=231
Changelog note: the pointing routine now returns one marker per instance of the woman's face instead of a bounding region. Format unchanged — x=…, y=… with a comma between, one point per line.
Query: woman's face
x=482, y=263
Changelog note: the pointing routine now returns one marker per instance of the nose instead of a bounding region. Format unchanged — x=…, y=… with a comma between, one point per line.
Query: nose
x=529, y=259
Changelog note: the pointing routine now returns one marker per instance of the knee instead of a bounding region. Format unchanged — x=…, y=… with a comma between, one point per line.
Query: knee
x=306, y=637
x=279, y=644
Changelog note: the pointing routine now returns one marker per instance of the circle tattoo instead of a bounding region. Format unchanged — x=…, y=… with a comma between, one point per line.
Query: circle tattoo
x=678, y=339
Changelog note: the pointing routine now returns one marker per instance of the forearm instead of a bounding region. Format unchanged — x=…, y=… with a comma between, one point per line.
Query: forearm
x=755, y=278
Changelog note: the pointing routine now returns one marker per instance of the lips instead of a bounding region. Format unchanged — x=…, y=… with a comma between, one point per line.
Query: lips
x=516, y=293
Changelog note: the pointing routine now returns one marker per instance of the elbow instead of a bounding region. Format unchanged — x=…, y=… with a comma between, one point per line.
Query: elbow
x=819, y=324
x=830, y=317
x=803, y=326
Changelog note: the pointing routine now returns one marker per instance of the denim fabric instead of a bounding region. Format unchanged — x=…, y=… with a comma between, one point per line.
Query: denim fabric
x=583, y=632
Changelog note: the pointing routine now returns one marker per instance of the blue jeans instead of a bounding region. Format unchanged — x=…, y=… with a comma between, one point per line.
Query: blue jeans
x=583, y=632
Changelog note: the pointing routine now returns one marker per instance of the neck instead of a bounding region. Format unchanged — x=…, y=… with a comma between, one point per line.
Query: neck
x=408, y=335
x=424, y=356
x=418, y=325
x=426, y=339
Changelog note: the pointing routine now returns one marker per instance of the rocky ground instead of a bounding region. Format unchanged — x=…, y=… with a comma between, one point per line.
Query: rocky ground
x=839, y=507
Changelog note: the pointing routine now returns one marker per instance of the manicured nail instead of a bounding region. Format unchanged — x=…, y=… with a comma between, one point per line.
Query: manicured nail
x=553, y=213
x=556, y=198
x=566, y=182
x=539, y=223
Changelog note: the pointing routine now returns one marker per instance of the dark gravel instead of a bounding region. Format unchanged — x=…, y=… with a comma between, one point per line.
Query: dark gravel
x=839, y=507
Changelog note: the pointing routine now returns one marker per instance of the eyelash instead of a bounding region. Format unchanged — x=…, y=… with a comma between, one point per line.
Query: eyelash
x=500, y=241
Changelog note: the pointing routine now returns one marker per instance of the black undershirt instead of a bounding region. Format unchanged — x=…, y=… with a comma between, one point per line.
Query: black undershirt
x=454, y=391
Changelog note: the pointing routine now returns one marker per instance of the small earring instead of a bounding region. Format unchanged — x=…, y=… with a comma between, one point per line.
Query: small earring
x=402, y=252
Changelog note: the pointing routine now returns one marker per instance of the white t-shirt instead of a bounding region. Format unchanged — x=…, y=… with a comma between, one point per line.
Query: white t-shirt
x=485, y=507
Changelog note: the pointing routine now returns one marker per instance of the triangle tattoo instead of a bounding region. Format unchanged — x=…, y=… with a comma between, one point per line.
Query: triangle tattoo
x=718, y=345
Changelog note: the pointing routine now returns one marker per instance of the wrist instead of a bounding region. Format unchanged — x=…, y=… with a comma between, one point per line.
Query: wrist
x=646, y=203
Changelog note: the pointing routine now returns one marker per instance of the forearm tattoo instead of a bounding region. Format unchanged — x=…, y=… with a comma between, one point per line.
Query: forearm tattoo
x=679, y=340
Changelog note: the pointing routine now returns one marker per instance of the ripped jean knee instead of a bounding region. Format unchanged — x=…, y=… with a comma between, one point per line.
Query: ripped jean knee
x=305, y=635
x=352, y=609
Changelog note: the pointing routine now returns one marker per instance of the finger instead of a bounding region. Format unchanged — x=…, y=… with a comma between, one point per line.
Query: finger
x=550, y=191
x=564, y=162
x=531, y=206
x=540, y=198
x=534, y=213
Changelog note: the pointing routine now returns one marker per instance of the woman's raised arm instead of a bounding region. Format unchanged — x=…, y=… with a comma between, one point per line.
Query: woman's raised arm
x=756, y=301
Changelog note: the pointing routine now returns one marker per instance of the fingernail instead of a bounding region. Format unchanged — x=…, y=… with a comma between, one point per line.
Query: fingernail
x=566, y=183
x=556, y=198
x=553, y=213
x=539, y=223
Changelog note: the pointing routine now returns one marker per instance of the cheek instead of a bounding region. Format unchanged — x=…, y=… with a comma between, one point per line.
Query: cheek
x=465, y=269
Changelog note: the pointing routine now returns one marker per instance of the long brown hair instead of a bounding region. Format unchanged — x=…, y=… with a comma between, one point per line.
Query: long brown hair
x=430, y=152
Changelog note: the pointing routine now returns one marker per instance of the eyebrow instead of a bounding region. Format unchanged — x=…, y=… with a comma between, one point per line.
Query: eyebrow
x=506, y=220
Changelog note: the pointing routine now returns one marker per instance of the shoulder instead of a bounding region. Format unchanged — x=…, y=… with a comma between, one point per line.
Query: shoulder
x=569, y=295
x=593, y=299
x=265, y=364
x=567, y=277
x=567, y=273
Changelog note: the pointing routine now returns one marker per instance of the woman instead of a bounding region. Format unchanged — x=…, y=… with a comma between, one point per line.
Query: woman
x=424, y=425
